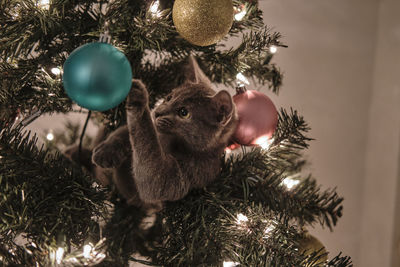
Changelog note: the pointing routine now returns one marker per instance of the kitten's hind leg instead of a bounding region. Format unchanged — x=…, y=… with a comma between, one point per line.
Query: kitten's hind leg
x=85, y=159
x=114, y=150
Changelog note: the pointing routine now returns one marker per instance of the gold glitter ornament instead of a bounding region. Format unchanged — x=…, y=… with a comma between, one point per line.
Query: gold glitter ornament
x=203, y=22
x=310, y=244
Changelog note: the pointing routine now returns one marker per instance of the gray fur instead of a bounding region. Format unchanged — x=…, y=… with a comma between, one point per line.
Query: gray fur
x=160, y=155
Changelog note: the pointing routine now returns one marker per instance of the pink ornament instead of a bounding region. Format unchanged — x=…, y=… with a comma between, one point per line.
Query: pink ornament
x=258, y=118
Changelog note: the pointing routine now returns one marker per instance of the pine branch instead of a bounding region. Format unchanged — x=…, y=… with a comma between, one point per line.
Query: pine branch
x=252, y=20
x=30, y=87
x=123, y=233
x=252, y=178
x=340, y=261
x=49, y=35
x=251, y=57
x=43, y=196
x=290, y=131
x=205, y=229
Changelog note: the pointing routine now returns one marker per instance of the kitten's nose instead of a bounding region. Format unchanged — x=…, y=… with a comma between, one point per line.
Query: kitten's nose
x=158, y=113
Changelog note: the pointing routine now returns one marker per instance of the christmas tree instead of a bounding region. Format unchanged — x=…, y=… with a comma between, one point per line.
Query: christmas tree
x=52, y=210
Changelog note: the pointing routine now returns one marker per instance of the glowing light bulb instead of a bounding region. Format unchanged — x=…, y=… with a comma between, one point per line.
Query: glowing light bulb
x=44, y=4
x=73, y=259
x=154, y=8
x=290, y=182
x=50, y=136
x=241, y=218
x=14, y=15
x=273, y=49
x=269, y=229
x=100, y=256
x=56, y=71
x=239, y=16
x=241, y=79
x=87, y=249
x=230, y=264
x=59, y=254
x=264, y=142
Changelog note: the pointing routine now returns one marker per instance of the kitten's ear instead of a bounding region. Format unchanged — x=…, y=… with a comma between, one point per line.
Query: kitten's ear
x=225, y=106
x=194, y=74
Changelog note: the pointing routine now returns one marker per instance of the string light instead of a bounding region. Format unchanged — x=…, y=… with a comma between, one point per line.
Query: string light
x=154, y=8
x=11, y=251
x=59, y=254
x=29, y=251
x=100, y=256
x=44, y=4
x=273, y=49
x=269, y=229
x=230, y=264
x=12, y=62
x=290, y=182
x=14, y=15
x=270, y=226
x=241, y=79
x=51, y=94
x=87, y=249
x=240, y=15
x=50, y=136
x=89, y=256
x=241, y=218
x=264, y=142
x=56, y=71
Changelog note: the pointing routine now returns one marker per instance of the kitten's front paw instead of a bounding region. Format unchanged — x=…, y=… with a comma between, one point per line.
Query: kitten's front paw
x=138, y=97
x=106, y=157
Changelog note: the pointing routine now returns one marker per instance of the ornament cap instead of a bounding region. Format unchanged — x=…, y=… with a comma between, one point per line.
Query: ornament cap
x=105, y=38
x=240, y=89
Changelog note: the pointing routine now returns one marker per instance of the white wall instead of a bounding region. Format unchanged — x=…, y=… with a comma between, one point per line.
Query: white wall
x=329, y=68
x=382, y=158
x=396, y=236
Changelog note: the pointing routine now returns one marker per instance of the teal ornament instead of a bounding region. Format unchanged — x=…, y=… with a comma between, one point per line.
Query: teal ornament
x=97, y=76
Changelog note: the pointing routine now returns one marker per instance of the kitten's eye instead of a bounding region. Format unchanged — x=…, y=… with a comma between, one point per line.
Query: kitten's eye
x=168, y=97
x=184, y=113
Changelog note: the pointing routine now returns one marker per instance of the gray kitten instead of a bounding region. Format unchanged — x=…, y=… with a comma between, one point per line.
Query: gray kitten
x=161, y=154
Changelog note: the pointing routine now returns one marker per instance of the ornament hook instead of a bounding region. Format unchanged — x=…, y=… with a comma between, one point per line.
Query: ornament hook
x=105, y=37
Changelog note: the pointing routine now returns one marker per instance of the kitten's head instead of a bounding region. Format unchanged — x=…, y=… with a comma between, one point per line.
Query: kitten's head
x=195, y=114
